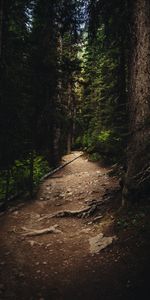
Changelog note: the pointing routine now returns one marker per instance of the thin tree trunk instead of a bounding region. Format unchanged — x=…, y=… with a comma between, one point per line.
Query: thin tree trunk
x=138, y=154
x=31, y=179
x=56, y=145
x=74, y=120
x=7, y=186
x=69, y=143
x=56, y=123
x=69, y=135
x=1, y=26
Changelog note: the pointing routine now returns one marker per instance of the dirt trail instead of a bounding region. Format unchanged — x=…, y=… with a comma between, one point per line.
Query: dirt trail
x=60, y=265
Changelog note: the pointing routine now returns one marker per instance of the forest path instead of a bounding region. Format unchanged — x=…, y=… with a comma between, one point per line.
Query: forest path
x=61, y=265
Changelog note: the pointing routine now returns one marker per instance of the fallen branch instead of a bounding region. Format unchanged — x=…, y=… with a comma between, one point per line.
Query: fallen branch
x=59, y=168
x=35, y=232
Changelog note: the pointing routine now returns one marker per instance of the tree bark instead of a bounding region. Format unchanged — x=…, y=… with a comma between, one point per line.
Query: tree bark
x=1, y=26
x=138, y=154
x=70, y=117
x=31, y=179
x=7, y=186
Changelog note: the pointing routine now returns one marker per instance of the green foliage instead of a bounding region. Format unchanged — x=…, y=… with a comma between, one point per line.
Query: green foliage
x=2, y=185
x=20, y=176
x=106, y=144
x=14, y=44
x=131, y=220
x=102, y=117
x=40, y=68
x=58, y=84
x=95, y=157
x=104, y=136
x=41, y=168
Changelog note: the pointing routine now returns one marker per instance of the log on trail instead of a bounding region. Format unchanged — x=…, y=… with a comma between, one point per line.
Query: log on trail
x=35, y=232
x=60, y=167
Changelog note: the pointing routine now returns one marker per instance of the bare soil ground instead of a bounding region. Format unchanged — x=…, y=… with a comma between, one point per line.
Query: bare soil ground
x=60, y=265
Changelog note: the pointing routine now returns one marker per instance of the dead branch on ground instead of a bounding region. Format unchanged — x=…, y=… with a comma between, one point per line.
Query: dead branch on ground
x=35, y=232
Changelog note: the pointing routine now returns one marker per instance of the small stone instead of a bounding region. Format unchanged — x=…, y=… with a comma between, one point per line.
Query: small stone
x=70, y=194
x=128, y=285
x=21, y=275
x=61, y=195
x=86, y=230
x=32, y=243
x=48, y=245
x=99, y=242
x=15, y=213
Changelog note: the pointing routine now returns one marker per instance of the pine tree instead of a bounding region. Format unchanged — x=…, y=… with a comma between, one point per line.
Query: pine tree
x=138, y=160
x=105, y=99
x=13, y=38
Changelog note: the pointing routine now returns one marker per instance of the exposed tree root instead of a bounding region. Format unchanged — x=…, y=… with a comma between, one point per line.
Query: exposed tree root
x=93, y=206
x=35, y=232
x=96, y=219
x=82, y=213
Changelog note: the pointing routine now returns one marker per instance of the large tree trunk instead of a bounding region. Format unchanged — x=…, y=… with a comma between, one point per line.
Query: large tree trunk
x=138, y=153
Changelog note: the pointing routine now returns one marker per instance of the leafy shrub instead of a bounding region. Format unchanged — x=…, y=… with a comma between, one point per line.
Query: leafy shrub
x=95, y=157
x=104, y=144
x=19, y=180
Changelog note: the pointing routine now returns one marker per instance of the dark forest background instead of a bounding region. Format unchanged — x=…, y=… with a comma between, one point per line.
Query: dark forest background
x=74, y=75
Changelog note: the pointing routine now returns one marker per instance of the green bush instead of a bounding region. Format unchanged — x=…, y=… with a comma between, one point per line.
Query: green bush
x=19, y=180
x=95, y=157
x=105, y=144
